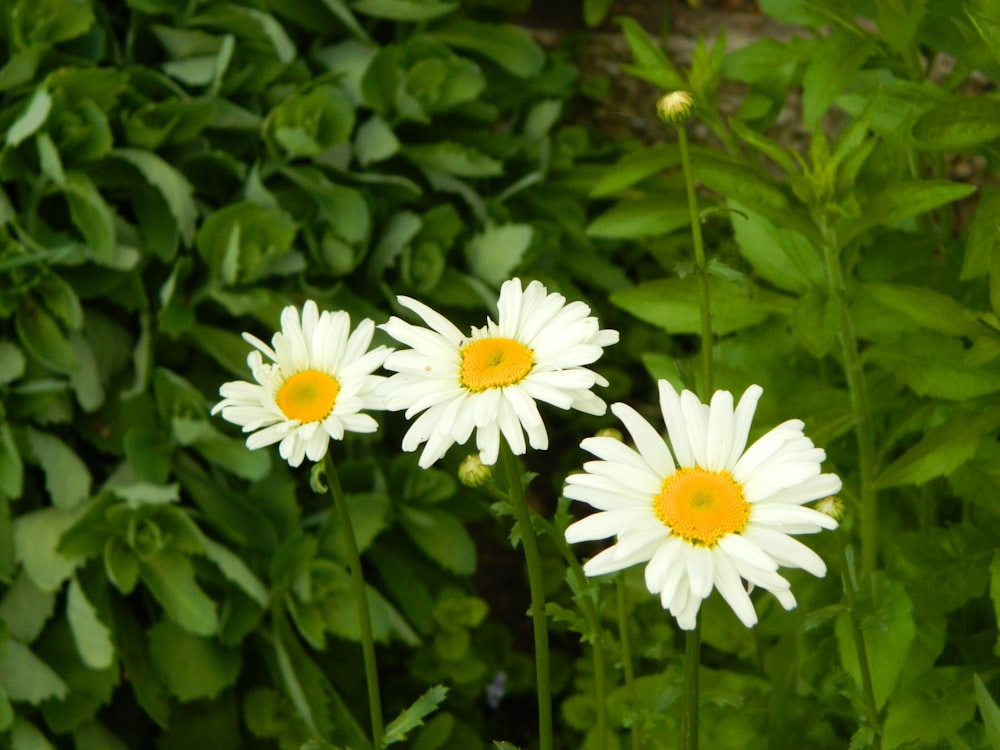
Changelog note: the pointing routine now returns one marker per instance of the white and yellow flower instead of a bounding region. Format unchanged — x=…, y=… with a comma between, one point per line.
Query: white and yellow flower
x=709, y=514
x=489, y=382
x=319, y=383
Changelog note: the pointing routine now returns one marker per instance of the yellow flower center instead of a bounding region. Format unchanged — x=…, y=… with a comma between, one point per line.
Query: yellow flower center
x=308, y=396
x=702, y=506
x=494, y=363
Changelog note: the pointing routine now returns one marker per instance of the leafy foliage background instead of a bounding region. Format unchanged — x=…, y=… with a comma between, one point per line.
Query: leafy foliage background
x=175, y=173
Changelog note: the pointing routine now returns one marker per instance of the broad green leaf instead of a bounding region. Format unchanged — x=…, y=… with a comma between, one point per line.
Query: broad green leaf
x=345, y=208
x=234, y=569
x=903, y=200
x=675, y=304
x=634, y=167
x=92, y=637
x=92, y=216
x=25, y=608
x=494, y=253
x=48, y=159
x=244, y=242
x=225, y=347
x=982, y=241
x=959, y=123
x=930, y=309
x=772, y=149
x=25, y=677
x=651, y=63
x=453, y=158
x=21, y=67
x=933, y=365
x=96, y=736
x=36, y=539
x=413, y=717
x=251, y=24
x=170, y=578
x=442, y=83
x=170, y=183
x=306, y=124
x=888, y=629
x=642, y=217
x=404, y=10
x=26, y=736
x=786, y=259
x=11, y=363
x=989, y=711
x=931, y=709
x=49, y=22
x=191, y=667
x=834, y=61
x=34, y=116
x=86, y=381
x=510, y=47
x=67, y=478
x=815, y=321
x=121, y=565
x=11, y=466
x=43, y=338
x=139, y=494
x=441, y=537
x=149, y=690
x=941, y=451
x=375, y=141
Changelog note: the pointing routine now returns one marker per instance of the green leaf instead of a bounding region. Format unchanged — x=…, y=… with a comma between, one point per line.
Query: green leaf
x=170, y=183
x=902, y=200
x=634, y=167
x=989, y=711
x=191, y=667
x=815, y=321
x=25, y=608
x=11, y=467
x=652, y=63
x=26, y=736
x=959, y=123
x=35, y=113
x=675, y=304
x=92, y=637
x=86, y=381
x=244, y=242
x=786, y=259
x=833, y=64
x=932, y=365
x=307, y=124
x=43, y=338
x=494, y=253
x=234, y=569
x=36, y=539
x=375, y=141
x=441, y=537
x=6, y=711
x=92, y=216
x=982, y=242
x=651, y=216
x=404, y=10
x=510, y=47
x=931, y=709
x=50, y=21
x=170, y=578
x=930, y=309
x=11, y=363
x=121, y=565
x=453, y=158
x=888, y=628
x=413, y=717
x=25, y=677
x=67, y=478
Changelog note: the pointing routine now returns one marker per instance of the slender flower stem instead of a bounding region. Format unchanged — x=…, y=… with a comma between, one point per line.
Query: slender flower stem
x=626, y=647
x=700, y=263
x=361, y=598
x=689, y=714
x=871, y=707
x=536, y=585
x=863, y=426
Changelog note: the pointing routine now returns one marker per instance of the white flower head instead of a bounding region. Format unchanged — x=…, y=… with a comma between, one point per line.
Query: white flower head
x=489, y=381
x=316, y=388
x=709, y=514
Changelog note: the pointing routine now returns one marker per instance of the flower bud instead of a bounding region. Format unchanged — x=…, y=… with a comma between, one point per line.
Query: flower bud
x=832, y=506
x=675, y=108
x=473, y=472
x=611, y=432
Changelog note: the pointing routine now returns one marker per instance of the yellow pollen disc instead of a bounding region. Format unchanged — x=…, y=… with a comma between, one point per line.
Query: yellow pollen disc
x=308, y=396
x=702, y=506
x=494, y=363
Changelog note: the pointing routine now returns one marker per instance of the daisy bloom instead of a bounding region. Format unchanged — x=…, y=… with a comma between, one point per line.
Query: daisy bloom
x=490, y=380
x=707, y=514
x=319, y=382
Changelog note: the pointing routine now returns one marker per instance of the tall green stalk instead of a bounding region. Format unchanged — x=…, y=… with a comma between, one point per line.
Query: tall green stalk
x=361, y=600
x=863, y=426
x=689, y=713
x=626, y=650
x=536, y=585
x=850, y=593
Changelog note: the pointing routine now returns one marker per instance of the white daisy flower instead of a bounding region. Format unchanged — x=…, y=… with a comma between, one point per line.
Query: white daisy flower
x=490, y=380
x=710, y=514
x=315, y=390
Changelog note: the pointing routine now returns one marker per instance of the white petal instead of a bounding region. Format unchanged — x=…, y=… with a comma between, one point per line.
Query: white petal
x=670, y=405
x=647, y=440
x=785, y=550
x=742, y=419
x=700, y=571
x=730, y=586
x=719, y=439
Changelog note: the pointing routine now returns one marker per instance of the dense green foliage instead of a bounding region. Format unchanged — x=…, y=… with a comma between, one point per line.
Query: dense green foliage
x=174, y=173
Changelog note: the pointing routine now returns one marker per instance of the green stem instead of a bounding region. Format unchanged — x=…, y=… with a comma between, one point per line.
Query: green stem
x=863, y=426
x=689, y=713
x=627, y=668
x=871, y=707
x=700, y=263
x=361, y=598
x=536, y=585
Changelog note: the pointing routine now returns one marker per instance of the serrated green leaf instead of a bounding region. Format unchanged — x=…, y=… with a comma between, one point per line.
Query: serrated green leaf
x=191, y=667
x=930, y=309
x=634, y=167
x=67, y=478
x=834, y=62
x=982, y=242
x=11, y=362
x=92, y=637
x=92, y=216
x=170, y=578
x=47, y=22
x=931, y=709
x=43, y=338
x=26, y=736
x=25, y=608
x=36, y=542
x=786, y=259
x=651, y=216
x=375, y=141
x=170, y=183
x=234, y=569
x=413, y=717
x=31, y=119
x=494, y=253
x=510, y=47
x=933, y=365
x=441, y=537
x=675, y=304
x=25, y=677
x=959, y=123
x=903, y=200
x=453, y=158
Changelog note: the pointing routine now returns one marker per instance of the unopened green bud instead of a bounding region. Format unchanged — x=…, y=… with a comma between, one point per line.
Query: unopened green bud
x=832, y=506
x=611, y=432
x=675, y=108
x=473, y=472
